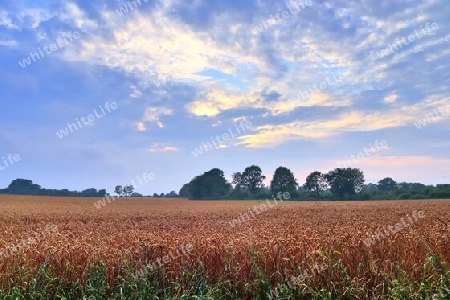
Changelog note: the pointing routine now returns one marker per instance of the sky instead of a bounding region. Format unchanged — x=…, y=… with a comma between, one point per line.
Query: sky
x=99, y=93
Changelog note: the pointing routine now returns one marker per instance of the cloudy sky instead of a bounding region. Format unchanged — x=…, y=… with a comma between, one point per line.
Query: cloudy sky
x=310, y=78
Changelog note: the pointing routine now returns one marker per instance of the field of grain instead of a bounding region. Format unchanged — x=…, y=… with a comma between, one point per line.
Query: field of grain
x=95, y=252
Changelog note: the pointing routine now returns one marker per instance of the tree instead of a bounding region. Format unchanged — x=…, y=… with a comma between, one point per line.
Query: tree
x=184, y=191
x=252, y=178
x=283, y=181
x=387, y=184
x=90, y=192
x=128, y=190
x=24, y=187
x=119, y=190
x=370, y=188
x=172, y=194
x=345, y=182
x=237, y=180
x=210, y=185
x=316, y=183
x=412, y=186
x=155, y=195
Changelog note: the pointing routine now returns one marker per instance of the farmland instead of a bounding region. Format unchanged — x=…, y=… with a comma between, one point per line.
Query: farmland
x=145, y=248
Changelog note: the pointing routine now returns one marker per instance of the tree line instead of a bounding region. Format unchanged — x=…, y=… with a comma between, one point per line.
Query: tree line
x=337, y=184
x=27, y=187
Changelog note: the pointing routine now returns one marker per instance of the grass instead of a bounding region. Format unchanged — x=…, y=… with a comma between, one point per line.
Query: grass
x=335, y=282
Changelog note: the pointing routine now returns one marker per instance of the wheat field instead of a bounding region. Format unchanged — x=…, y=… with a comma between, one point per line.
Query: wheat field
x=94, y=252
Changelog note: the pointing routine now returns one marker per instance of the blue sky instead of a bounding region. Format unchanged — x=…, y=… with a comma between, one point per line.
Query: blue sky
x=182, y=72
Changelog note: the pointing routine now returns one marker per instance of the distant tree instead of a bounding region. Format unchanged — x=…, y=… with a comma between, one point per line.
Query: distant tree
x=210, y=185
x=316, y=183
x=27, y=187
x=66, y=192
x=102, y=193
x=237, y=180
x=443, y=186
x=370, y=188
x=23, y=187
x=119, y=190
x=412, y=186
x=252, y=178
x=172, y=194
x=128, y=190
x=89, y=192
x=283, y=181
x=184, y=191
x=345, y=182
x=136, y=195
x=155, y=195
x=387, y=184
x=161, y=195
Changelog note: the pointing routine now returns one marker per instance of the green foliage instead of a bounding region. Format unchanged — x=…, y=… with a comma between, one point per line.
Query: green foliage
x=283, y=181
x=251, y=179
x=27, y=187
x=184, y=191
x=346, y=182
x=128, y=190
x=316, y=183
x=333, y=282
x=387, y=184
x=210, y=185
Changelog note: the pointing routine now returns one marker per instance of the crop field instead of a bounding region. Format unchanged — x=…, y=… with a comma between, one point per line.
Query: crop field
x=145, y=248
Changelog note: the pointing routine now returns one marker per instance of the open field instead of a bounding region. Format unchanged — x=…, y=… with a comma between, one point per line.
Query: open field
x=95, y=252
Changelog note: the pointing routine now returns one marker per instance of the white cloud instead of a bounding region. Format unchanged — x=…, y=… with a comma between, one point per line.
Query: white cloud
x=140, y=126
x=391, y=98
x=294, y=56
x=9, y=43
x=77, y=17
x=161, y=147
x=152, y=115
x=135, y=93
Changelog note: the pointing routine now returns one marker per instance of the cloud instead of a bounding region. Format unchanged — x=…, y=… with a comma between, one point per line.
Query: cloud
x=140, y=126
x=135, y=93
x=77, y=17
x=354, y=121
x=152, y=115
x=212, y=102
x=158, y=147
x=391, y=98
x=9, y=43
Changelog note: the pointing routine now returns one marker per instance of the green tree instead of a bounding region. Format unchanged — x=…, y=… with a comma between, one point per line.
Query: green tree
x=89, y=192
x=23, y=187
x=172, y=194
x=119, y=190
x=210, y=185
x=252, y=178
x=345, y=182
x=184, y=191
x=237, y=180
x=283, y=181
x=128, y=190
x=387, y=184
x=316, y=183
